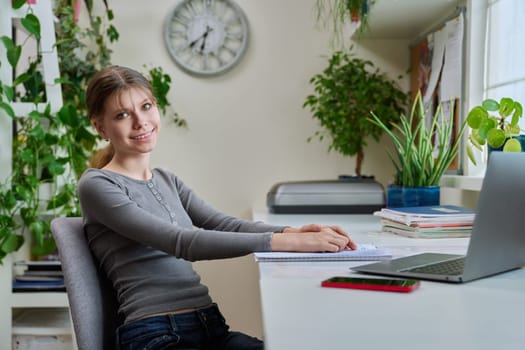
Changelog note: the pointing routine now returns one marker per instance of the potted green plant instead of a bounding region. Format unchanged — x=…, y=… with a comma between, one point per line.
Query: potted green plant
x=345, y=93
x=50, y=150
x=335, y=14
x=495, y=124
x=422, y=153
x=359, y=10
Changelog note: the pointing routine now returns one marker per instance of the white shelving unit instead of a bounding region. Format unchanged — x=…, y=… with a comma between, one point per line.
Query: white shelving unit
x=44, y=314
x=42, y=328
x=30, y=314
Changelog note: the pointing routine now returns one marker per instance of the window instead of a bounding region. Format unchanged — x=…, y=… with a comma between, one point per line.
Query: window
x=496, y=56
x=505, y=50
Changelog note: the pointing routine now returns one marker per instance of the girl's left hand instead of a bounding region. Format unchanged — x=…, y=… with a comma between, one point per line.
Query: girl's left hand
x=322, y=228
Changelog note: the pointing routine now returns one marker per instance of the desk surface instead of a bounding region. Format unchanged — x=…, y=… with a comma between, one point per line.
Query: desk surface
x=299, y=314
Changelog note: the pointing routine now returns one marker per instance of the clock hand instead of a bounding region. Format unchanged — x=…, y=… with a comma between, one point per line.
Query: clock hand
x=205, y=35
x=192, y=44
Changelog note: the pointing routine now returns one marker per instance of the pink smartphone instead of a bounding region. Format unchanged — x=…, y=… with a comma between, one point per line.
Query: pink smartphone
x=383, y=284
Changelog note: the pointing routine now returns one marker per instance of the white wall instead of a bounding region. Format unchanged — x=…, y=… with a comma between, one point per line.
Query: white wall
x=247, y=128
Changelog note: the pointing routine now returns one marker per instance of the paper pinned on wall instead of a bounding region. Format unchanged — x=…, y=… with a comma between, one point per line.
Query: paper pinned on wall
x=451, y=77
x=437, y=40
x=447, y=46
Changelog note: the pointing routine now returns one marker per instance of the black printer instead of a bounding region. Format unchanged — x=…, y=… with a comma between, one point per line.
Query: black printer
x=346, y=195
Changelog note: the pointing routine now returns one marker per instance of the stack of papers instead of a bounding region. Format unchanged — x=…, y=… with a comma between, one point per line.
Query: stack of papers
x=363, y=252
x=437, y=221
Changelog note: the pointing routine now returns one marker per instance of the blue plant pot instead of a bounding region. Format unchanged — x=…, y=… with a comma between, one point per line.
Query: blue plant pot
x=399, y=196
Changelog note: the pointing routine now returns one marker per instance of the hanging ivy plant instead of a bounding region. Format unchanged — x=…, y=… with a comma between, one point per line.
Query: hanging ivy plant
x=336, y=14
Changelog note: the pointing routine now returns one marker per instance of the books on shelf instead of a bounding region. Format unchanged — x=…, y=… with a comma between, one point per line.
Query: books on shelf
x=363, y=252
x=33, y=276
x=441, y=221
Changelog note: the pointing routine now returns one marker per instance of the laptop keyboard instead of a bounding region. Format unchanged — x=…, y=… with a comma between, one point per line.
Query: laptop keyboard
x=449, y=267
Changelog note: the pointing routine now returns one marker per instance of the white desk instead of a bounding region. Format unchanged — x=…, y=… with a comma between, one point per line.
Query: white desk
x=299, y=314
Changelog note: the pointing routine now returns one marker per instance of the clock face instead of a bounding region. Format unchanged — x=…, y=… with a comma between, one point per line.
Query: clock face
x=206, y=37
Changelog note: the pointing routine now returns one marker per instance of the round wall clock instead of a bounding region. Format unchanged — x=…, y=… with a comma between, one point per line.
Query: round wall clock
x=206, y=37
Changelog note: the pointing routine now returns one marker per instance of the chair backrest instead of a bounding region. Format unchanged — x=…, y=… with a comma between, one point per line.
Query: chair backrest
x=92, y=300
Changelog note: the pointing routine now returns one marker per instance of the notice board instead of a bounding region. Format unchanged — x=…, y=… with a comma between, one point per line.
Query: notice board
x=436, y=69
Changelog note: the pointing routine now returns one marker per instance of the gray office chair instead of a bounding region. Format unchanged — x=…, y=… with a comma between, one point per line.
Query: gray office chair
x=92, y=300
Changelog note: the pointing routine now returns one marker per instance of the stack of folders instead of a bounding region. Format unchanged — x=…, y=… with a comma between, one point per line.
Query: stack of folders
x=437, y=221
x=38, y=276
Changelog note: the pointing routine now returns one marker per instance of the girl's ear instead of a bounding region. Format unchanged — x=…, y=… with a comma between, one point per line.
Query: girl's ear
x=100, y=129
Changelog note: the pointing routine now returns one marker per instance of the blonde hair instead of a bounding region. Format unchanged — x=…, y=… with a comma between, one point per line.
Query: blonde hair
x=105, y=84
x=102, y=157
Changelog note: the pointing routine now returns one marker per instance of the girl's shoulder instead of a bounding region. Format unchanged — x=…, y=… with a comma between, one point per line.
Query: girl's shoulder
x=160, y=174
x=92, y=178
x=96, y=174
x=163, y=172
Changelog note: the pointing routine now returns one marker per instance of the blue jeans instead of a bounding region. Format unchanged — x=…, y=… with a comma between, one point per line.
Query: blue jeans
x=203, y=329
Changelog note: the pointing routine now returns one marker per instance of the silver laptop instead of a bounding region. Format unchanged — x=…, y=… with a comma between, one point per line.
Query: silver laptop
x=497, y=243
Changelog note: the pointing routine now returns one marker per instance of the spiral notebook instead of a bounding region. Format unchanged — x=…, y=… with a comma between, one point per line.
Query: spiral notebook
x=363, y=252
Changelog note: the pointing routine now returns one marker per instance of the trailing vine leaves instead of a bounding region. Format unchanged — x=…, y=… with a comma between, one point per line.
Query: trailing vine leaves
x=51, y=149
x=160, y=82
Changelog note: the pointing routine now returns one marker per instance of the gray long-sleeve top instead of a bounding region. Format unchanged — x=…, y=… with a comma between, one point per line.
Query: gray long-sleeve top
x=145, y=233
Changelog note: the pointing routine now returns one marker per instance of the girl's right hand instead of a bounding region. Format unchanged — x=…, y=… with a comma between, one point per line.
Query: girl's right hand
x=319, y=239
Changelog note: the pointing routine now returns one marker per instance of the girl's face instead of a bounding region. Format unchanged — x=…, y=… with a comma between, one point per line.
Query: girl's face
x=131, y=122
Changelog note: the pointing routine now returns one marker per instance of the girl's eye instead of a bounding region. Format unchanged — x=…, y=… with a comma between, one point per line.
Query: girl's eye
x=122, y=115
x=147, y=106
